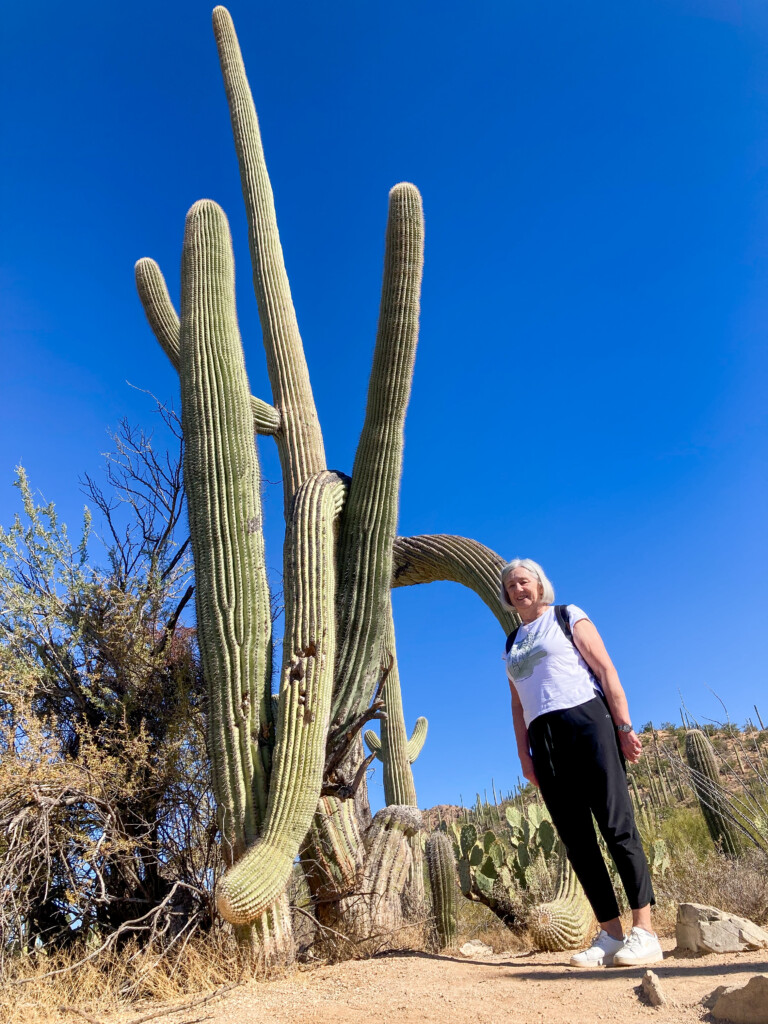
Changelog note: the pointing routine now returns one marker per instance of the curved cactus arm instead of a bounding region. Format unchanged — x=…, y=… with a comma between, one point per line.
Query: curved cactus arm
x=373, y=743
x=221, y=477
x=259, y=877
x=433, y=557
x=418, y=736
x=300, y=441
x=164, y=322
x=369, y=524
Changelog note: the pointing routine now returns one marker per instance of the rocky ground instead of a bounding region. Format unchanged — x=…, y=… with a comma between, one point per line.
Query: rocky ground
x=513, y=988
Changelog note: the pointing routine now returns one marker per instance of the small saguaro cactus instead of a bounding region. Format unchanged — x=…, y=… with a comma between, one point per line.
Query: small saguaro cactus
x=442, y=882
x=705, y=777
x=289, y=775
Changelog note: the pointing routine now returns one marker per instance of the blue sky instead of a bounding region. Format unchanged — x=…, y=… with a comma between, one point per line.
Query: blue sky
x=591, y=378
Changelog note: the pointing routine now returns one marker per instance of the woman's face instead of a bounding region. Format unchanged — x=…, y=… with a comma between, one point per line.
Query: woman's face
x=524, y=590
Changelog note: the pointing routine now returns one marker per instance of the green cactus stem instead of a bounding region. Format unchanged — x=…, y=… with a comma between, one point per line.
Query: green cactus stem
x=164, y=321
x=370, y=520
x=567, y=921
x=712, y=799
x=299, y=440
x=221, y=476
x=442, y=882
x=259, y=877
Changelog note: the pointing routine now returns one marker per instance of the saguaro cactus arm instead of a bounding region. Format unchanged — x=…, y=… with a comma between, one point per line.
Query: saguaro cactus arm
x=164, y=322
x=300, y=441
x=444, y=886
x=370, y=518
x=258, y=878
x=221, y=477
x=433, y=557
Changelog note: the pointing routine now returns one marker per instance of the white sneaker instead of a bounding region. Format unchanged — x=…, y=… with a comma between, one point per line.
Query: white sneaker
x=641, y=948
x=600, y=953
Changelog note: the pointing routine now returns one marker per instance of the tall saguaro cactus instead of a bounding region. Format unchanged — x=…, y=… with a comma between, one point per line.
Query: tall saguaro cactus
x=289, y=776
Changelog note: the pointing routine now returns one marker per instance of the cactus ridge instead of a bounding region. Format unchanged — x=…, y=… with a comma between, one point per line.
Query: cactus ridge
x=713, y=801
x=442, y=882
x=222, y=480
x=261, y=874
x=300, y=442
x=370, y=520
x=164, y=321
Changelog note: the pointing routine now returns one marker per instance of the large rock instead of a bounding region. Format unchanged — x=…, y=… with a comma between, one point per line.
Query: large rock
x=709, y=930
x=745, y=1005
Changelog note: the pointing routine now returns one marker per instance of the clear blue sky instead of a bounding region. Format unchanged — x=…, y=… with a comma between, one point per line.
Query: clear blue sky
x=591, y=379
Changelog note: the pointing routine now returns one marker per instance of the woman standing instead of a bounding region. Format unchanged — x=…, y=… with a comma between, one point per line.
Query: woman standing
x=573, y=734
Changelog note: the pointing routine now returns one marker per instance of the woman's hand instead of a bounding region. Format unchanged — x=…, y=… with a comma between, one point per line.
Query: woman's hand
x=631, y=747
x=526, y=762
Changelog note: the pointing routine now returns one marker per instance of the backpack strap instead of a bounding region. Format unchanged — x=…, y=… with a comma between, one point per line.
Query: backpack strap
x=511, y=640
x=561, y=614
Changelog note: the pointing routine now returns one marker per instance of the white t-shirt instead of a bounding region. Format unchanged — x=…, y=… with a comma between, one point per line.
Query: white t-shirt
x=546, y=669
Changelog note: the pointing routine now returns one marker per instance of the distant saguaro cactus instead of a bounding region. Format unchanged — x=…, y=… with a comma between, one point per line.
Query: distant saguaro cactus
x=291, y=777
x=705, y=777
x=443, y=884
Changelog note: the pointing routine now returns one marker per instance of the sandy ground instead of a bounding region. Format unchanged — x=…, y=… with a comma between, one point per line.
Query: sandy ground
x=405, y=987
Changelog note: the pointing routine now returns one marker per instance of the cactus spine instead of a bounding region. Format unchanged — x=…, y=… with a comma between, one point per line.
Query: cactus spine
x=712, y=800
x=442, y=882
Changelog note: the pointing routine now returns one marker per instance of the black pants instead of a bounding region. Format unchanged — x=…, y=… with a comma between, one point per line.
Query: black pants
x=581, y=773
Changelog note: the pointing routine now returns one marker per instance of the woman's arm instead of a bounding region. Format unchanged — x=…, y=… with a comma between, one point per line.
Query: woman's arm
x=590, y=645
x=521, y=735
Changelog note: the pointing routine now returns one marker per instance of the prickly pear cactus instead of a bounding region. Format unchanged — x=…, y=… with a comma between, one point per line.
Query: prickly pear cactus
x=442, y=882
x=713, y=800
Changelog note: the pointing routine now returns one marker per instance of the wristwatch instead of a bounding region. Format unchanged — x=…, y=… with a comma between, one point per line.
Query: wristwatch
x=623, y=728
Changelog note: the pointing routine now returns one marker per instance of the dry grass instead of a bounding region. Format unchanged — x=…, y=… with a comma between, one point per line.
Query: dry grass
x=738, y=886
x=40, y=989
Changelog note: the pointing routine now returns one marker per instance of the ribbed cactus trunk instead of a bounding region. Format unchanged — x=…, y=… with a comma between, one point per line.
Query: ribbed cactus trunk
x=705, y=778
x=289, y=770
x=444, y=889
x=567, y=921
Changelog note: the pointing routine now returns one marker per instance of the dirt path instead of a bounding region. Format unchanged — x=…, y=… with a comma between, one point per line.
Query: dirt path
x=513, y=988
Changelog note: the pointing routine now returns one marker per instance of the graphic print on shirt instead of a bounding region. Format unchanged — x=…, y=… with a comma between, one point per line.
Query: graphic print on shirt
x=524, y=657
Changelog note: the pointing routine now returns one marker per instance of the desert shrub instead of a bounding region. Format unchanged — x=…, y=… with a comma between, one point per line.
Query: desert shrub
x=685, y=832
x=107, y=825
x=736, y=885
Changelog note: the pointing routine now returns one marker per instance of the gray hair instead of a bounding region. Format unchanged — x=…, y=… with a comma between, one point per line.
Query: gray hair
x=548, y=591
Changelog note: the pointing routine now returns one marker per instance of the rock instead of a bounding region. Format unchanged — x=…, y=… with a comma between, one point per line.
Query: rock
x=651, y=988
x=745, y=1005
x=475, y=948
x=709, y=930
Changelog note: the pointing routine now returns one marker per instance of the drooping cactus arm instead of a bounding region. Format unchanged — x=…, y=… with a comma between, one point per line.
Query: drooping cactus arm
x=442, y=556
x=369, y=523
x=164, y=322
x=221, y=477
x=300, y=441
x=259, y=877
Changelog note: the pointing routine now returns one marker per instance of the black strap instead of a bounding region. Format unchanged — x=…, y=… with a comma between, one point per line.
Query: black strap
x=561, y=614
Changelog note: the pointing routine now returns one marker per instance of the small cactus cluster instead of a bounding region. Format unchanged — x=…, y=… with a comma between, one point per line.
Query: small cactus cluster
x=713, y=801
